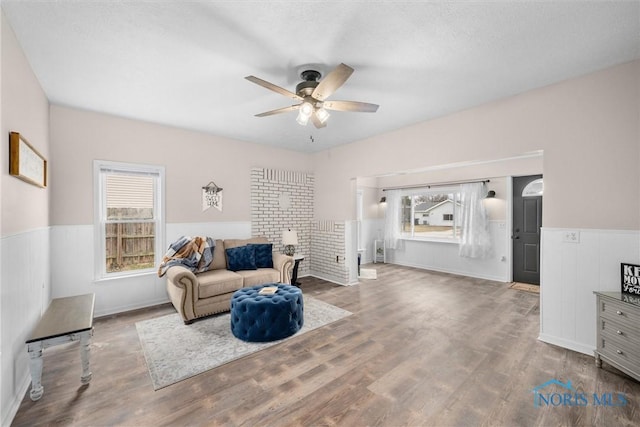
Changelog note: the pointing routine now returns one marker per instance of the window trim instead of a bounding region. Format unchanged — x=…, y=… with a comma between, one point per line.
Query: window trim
x=100, y=273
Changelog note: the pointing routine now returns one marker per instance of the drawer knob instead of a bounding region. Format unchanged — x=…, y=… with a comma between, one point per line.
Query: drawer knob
x=619, y=333
x=619, y=313
x=619, y=351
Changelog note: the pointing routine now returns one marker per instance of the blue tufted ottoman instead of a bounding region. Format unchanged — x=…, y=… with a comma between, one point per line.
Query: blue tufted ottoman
x=262, y=318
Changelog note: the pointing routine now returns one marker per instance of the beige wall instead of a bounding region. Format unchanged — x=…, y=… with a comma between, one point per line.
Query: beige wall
x=191, y=160
x=25, y=109
x=587, y=128
x=24, y=213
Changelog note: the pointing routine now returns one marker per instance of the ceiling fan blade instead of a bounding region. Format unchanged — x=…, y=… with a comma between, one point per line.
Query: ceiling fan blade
x=273, y=87
x=279, y=111
x=332, y=82
x=316, y=121
x=356, y=106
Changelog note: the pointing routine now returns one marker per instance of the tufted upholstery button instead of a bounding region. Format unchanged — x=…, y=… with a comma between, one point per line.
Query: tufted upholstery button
x=261, y=318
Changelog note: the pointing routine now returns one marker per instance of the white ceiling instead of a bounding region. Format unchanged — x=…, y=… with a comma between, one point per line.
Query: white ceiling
x=183, y=63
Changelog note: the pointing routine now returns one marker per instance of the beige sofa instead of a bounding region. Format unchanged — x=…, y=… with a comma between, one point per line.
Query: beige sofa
x=209, y=292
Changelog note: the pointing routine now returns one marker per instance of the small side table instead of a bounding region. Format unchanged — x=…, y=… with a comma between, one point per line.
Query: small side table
x=294, y=275
x=67, y=319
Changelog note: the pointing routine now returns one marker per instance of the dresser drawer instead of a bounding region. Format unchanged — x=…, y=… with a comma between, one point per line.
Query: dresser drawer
x=619, y=311
x=620, y=331
x=619, y=352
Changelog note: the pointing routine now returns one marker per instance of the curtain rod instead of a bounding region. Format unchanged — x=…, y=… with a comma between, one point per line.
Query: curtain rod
x=438, y=184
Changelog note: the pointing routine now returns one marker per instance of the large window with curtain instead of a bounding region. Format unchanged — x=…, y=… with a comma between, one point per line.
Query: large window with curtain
x=430, y=213
x=129, y=218
x=446, y=214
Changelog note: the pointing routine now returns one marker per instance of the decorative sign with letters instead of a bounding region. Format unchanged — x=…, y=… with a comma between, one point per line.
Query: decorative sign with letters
x=211, y=197
x=630, y=278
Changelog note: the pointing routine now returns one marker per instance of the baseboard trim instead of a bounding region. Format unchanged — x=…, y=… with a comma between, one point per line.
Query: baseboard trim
x=319, y=276
x=457, y=273
x=17, y=400
x=568, y=344
x=123, y=309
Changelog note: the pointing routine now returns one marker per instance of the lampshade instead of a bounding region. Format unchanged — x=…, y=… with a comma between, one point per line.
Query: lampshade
x=306, y=108
x=322, y=115
x=289, y=237
x=302, y=119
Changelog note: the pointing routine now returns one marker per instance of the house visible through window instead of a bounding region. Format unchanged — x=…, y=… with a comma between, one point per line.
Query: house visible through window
x=428, y=213
x=129, y=218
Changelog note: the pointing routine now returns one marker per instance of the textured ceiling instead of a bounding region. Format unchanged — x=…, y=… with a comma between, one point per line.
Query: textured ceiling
x=183, y=63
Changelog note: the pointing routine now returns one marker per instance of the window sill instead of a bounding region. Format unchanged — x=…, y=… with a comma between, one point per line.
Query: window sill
x=431, y=240
x=107, y=279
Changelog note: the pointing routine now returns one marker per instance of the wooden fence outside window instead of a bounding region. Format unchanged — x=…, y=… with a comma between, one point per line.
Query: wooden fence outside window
x=130, y=246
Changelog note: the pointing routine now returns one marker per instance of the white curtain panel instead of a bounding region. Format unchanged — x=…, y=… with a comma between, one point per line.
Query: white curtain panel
x=392, y=219
x=475, y=240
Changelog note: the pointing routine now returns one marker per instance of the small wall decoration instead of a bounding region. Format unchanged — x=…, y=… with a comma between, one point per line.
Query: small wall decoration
x=630, y=278
x=284, y=201
x=25, y=162
x=211, y=197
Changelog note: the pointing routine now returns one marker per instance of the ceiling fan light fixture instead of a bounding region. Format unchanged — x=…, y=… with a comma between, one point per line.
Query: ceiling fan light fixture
x=312, y=92
x=322, y=115
x=304, y=113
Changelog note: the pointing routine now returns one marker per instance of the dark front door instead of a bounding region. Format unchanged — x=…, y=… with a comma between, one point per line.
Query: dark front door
x=527, y=220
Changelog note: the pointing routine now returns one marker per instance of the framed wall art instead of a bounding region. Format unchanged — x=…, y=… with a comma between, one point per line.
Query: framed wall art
x=25, y=162
x=630, y=275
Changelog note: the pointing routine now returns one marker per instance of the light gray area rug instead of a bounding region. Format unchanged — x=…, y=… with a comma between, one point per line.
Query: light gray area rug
x=175, y=351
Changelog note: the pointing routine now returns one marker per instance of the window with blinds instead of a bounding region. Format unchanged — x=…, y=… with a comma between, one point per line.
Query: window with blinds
x=128, y=218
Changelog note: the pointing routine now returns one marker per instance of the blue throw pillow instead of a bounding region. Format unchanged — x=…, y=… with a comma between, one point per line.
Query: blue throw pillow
x=241, y=258
x=264, y=254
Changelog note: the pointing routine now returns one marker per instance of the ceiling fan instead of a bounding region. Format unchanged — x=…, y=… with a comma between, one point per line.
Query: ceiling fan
x=313, y=93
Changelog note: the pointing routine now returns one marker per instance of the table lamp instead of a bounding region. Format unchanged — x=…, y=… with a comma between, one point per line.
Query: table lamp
x=289, y=240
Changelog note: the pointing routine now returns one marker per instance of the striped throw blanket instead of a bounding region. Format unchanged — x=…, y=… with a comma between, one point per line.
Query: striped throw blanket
x=195, y=254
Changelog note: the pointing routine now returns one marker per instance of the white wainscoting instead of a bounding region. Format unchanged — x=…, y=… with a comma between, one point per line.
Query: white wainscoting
x=371, y=230
x=72, y=269
x=25, y=295
x=440, y=256
x=571, y=271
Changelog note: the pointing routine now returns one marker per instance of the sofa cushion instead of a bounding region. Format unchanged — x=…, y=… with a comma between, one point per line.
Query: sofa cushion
x=264, y=254
x=217, y=282
x=259, y=276
x=233, y=243
x=219, y=261
x=241, y=258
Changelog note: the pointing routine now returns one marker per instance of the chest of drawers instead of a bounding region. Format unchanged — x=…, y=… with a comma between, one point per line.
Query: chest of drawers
x=618, y=332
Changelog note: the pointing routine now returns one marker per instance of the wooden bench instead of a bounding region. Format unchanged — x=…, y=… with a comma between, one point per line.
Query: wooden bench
x=67, y=319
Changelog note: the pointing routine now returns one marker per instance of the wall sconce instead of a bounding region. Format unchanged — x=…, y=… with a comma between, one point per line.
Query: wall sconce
x=383, y=199
x=289, y=240
x=491, y=194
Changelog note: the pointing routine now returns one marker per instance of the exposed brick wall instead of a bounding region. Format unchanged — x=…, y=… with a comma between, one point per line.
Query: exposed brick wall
x=328, y=251
x=279, y=200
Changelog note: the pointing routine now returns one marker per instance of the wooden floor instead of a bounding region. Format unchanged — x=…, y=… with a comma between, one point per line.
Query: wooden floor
x=421, y=349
